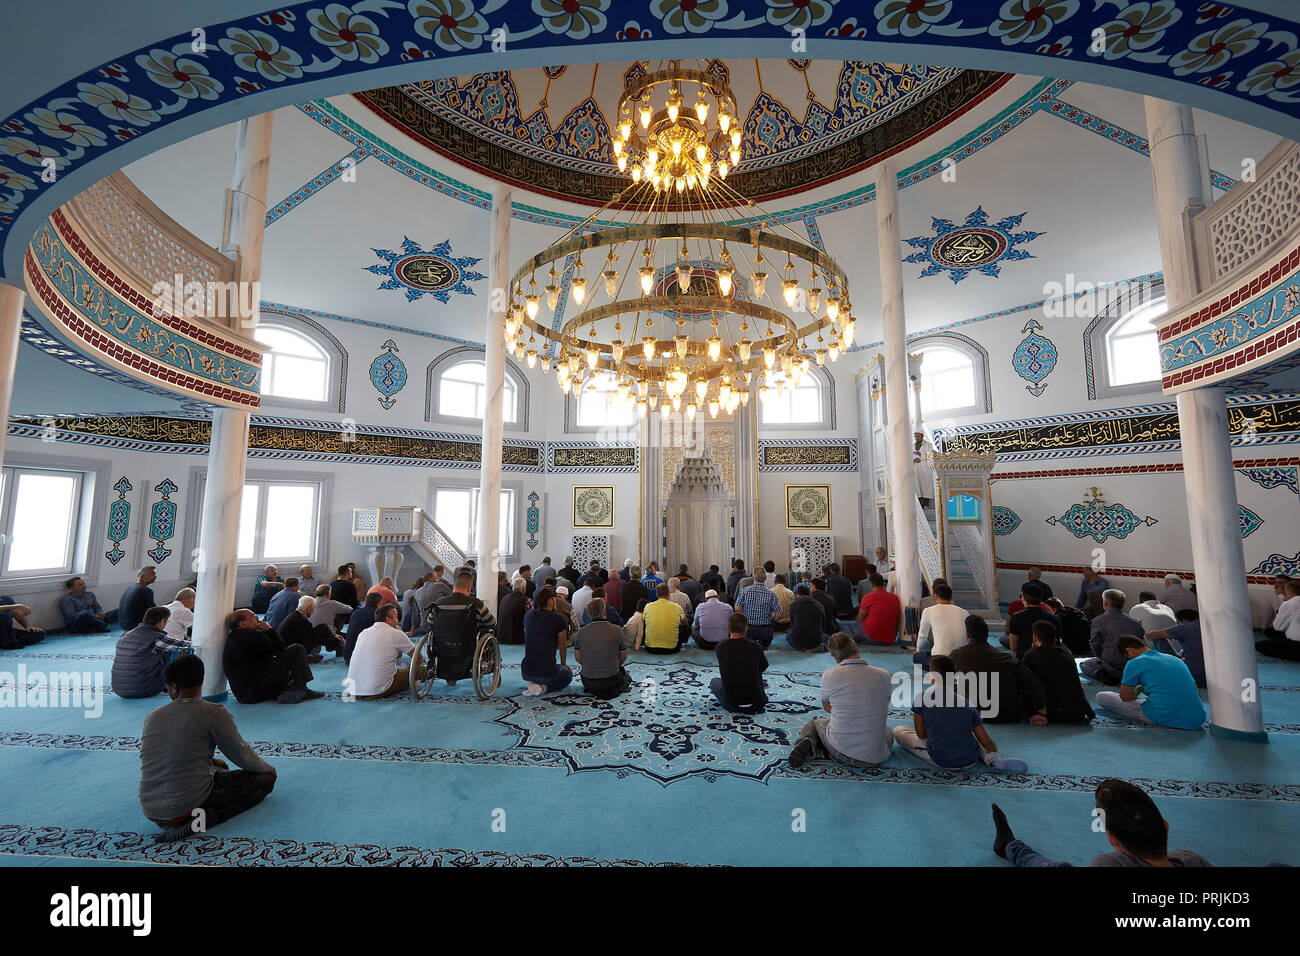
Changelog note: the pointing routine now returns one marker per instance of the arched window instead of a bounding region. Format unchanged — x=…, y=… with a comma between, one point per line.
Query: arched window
x=797, y=405
x=1132, y=346
x=304, y=364
x=295, y=367
x=599, y=404
x=457, y=392
x=954, y=373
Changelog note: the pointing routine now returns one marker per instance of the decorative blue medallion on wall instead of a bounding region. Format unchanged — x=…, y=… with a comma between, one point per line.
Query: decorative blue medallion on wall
x=1005, y=520
x=534, y=518
x=1097, y=520
x=1034, y=358
x=433, y=272
x=388, y=374
x=974, y=246
x=1250, y=521
x=119, y=520
x=162, y=520
x=1268, y=478
x=1279, y=564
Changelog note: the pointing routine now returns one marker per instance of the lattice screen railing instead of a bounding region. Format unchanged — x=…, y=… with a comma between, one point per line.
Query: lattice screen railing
x=1248, y=222
x=439, y=543
x=927, y=545
x=971, y=542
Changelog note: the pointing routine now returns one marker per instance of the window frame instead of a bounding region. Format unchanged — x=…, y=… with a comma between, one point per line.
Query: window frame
x=516, y=488
x=573, y=409
x=1106, y=336
x=88, y=528
x=826, y=405
x=1096, y=342
x=979, y=365
x=458, y=356
x=320, y=533
x=335, y=372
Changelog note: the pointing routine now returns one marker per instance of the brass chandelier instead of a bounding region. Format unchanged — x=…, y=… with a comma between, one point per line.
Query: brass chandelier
x=681, y=314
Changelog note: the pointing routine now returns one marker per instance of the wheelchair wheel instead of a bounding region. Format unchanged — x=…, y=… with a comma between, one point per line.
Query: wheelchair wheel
x=423, y=668
x=487, y=668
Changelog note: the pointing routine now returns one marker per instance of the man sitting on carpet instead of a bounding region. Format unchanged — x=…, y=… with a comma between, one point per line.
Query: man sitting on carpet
x=260, y=667
x=711, y=621
x=1054, y=667
x=856, y=695
x=663, y=624
x=510, y=613
x=183, y=788
x=545, y=633
x=1107, y=661
x=1287, y=622
x=879, y=612
x=809, y=628
x=1007, y=689
x=760, y=606
x=601, y=647
x=946, y=730
x=373, y=672
x=1183, y=640
x=739, y=686
x=1020, y=626
x=141, y=655
x=296, y=628
x=282, y=602
x=1171, y=697
x=361, y=619
x=81, y=611
x=23, y=635
x=137, y=599
x=1151, y=614
x=1134, y=827
x=840, y=589
x=943, y=625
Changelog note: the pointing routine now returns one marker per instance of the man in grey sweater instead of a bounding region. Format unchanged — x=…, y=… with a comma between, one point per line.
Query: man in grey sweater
x=183, y=788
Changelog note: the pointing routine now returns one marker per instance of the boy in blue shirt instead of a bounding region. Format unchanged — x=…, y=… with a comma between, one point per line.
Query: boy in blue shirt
x=947, y=731
x=1169, y=688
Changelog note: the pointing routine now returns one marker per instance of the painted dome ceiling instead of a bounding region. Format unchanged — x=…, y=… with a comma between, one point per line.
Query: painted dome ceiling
x=806, y=122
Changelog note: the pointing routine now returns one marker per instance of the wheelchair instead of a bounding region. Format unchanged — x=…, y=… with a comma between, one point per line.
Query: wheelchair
x=453, y=650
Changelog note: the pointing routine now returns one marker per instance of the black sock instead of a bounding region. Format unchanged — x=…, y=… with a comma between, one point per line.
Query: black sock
x=1004, y=834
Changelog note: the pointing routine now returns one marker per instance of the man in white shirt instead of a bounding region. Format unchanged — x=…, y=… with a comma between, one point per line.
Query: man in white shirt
x=1151, y=614
x=856, y=695
x=373, y=670
x=181, y=617
x=1287, y=622
x=883, y=564
x=581, y=598
x=943, y=624
x=677, y=597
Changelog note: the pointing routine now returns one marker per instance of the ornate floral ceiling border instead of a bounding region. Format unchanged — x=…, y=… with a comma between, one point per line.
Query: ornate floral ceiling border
x=1245, y=56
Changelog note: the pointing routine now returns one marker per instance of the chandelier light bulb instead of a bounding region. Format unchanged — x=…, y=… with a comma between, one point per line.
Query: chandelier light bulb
x=616, y=348
x=665, y=409
x=532, y=358
x=759, y=280
x=724, y=391
x=592, y=358
x=618, y=147
x=622, y=163
x=677, y=403
x=724, y=120
x=820, y=358
x=833, y=350
x=677, y=148
x=625, y=128
x=701, y=389
x=645, y=116
x=681, y=184
x=701, y=109
x=706, y=169
x=700, y=152
x=690, y=411
x=552, y=296
x=636, y=174
x=673, y=108
x=713, y=408
x=735, y=139
x=814, y=300
x=682, y=343
x=652, y=156
x=763, y=394
x=724, y=280
x=832, y=308
x=744, y=348
x=769, y=357
x=849, y=328
x=690, y=180
x=647, y=279
x=715, y=349
x=579, y=290
x=722, y=169
x=734, y=153
x=611, y=282
x=648, y=348
x=564, y=386
x=684, y=276
x=641, y=408
x=531, y=307
x=791, y=289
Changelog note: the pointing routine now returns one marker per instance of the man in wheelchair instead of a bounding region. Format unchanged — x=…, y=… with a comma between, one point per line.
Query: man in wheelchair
x=455, y=625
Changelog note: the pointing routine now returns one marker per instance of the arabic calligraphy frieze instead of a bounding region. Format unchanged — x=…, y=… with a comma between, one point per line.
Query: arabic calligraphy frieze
x=294, y=442
x=83, y=291
x=1154, y=428
x=584, y=456
x=778, y=455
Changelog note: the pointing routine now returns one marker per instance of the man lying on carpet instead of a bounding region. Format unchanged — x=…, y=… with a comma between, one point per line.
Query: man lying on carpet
x=1134, y=827
x=183, y=788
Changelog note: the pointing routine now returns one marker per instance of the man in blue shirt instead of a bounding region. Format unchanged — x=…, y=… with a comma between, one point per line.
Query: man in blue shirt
x=137, y=599
x=759, y=605
x=1183, y=640
x=80, y=608
x=1092, y=581
x=711, y=618
x=545, y=633
x=652, y=579
x=946, y=730
x=284, y=603
x=1170, y=692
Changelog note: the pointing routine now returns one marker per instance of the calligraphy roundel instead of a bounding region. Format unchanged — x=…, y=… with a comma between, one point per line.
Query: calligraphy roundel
x=808, y=506
x=425, y=272
x=593, y=506
x=968, y=248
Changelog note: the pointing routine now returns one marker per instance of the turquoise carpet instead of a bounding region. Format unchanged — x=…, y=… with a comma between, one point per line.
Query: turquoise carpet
x=660, y=776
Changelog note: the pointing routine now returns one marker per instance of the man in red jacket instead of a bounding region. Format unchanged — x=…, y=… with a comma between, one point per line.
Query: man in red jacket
x=879, y=612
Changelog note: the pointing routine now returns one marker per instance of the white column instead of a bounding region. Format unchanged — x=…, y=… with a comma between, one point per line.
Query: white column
x=11, y=320
x=219, y=536
x=907, y=559
x=1232, y=674
x=489, y=482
